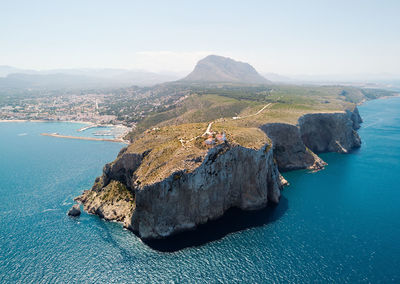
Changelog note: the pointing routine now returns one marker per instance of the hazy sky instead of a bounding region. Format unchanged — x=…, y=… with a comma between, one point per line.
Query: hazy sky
x=287, y=37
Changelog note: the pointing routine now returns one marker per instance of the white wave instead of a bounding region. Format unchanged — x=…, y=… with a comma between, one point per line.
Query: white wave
x=50, y=209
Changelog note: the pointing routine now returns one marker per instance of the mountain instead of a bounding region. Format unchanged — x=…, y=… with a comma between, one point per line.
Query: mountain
x=18, y=79
x=215, y=68
x=5, y=70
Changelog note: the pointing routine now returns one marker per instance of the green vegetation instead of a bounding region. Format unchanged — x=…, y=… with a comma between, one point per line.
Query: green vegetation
x=215, y=101
x=175, y=136
x=116, y=191
x=195, y=108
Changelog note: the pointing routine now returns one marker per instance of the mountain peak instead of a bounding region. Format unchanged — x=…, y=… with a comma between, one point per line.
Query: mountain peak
x=214, y=68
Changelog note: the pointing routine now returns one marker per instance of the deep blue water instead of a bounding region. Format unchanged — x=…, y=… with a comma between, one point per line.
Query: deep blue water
x=338, y=225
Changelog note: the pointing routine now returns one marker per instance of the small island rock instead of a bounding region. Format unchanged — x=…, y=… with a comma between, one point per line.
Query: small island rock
x=75, y=211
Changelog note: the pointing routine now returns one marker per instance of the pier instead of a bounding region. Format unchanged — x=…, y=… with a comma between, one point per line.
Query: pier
x=84, y=138
x=88, y=127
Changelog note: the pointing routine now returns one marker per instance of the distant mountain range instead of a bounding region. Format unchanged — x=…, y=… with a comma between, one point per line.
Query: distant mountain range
x=14, y=78
x=211, y=69
x=215, y=68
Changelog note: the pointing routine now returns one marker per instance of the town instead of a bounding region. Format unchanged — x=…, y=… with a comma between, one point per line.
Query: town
x=116, y=107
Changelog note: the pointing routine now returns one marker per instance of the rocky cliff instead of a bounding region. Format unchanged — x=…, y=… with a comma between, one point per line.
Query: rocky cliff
x=230, y=176
x=289, y=150
x=355, y=118
x=331, y=132
x=224, y=176
x=112, y=195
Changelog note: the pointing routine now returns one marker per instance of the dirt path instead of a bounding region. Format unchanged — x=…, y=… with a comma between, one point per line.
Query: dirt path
x=209, y=132
x=254, y=114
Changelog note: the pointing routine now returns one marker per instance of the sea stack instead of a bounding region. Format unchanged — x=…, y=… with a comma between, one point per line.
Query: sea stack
x=75, y=211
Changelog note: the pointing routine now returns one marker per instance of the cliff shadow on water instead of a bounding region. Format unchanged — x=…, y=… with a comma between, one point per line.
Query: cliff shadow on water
x=234, y=220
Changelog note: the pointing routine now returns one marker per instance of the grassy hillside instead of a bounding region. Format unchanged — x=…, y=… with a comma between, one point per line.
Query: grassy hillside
x=175, y=137
x=288, y=102
x=196, y=108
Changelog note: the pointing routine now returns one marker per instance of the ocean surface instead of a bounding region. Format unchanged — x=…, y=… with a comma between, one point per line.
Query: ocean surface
x=338, y=225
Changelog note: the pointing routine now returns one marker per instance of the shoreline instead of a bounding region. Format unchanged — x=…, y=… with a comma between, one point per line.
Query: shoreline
x=381, y=98
x=42, y=120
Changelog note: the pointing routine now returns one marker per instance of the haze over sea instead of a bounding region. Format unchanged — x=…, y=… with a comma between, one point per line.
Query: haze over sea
x=340, y=224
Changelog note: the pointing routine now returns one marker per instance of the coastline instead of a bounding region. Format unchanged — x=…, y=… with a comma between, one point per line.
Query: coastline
x=42, y=120
x=390, y=97
x=380, y=98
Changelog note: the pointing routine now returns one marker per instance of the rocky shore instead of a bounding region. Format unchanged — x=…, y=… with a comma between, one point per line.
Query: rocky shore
x=229, y=175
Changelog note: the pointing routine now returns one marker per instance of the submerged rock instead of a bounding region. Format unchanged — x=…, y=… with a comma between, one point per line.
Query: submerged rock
x=75, y=211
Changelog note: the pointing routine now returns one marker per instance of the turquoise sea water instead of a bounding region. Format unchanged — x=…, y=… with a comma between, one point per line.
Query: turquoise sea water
x=338, y=225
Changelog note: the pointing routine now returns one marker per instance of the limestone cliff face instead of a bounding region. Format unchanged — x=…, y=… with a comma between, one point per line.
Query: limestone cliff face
x=230, y=176
x=111, y=196
x=122, y=168
x=290, y=152
x=330, y=132
x=355, y=117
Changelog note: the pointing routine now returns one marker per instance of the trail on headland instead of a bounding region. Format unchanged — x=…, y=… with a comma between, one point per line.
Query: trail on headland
x=254, y=114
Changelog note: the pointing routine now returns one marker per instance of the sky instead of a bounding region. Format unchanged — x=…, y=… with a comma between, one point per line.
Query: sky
x=286, y=37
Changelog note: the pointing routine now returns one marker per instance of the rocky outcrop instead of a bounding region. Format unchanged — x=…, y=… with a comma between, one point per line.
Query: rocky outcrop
x=294, y=146
x=75, y=211
x=230, y=176
x=112, y=195
x=330, y=132
x=122, y=168
x=355, y=118
x=114, y=202
x=290, y=152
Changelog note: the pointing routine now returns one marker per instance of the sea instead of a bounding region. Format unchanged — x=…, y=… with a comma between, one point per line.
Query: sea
x=339, y=225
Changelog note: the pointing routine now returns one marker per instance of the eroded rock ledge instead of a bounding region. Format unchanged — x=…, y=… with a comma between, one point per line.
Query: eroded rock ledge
x=229, y=175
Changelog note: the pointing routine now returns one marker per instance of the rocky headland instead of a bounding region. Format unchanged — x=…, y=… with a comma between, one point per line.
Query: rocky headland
x=208, y=182
x=330, y=132
x=290, y=153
